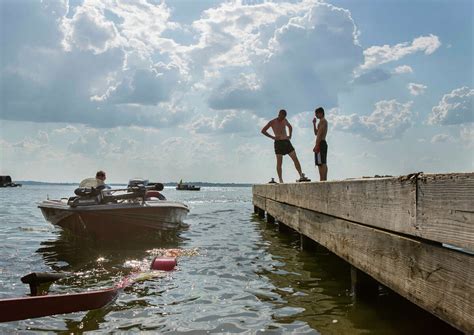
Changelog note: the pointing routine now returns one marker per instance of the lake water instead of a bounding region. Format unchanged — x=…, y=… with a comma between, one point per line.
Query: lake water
x=241, y=275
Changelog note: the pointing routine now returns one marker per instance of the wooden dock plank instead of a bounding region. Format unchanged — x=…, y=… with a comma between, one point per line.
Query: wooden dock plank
x=259, y=201
x=438, y=279
x=439, y=208
x=445, y=208
x=289, y=216
x=388, y=203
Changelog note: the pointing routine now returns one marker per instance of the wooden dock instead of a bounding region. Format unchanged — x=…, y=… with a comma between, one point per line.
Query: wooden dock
x=413, y=234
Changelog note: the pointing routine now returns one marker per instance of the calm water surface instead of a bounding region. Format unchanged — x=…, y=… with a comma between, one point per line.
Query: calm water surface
x=247, y=277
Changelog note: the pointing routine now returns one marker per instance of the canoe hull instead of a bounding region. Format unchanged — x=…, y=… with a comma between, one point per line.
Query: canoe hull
x=33, y=307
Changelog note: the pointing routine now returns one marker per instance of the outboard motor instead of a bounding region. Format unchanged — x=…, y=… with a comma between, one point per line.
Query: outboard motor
x=137, y=182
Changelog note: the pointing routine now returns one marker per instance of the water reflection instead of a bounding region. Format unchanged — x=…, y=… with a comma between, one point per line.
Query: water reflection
x=317, y=283
x=75, y=253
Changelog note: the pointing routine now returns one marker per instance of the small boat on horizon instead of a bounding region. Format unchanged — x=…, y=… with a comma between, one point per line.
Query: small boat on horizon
x=187, y=187
x=6, y=181
x=103, y=213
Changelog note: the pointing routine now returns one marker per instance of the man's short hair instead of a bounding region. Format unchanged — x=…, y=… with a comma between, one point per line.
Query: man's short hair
x=100, y=173
x=319, y=110
x=283, y=111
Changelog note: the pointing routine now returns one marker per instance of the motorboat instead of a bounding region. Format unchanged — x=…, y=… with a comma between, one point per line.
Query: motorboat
x=186, y=187
x=6, y=181
x=101, y=212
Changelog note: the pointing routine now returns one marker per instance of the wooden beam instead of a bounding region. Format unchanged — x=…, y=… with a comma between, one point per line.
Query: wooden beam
x=445, y=208
x=259, y=202
x=439, y=208
x=437, y=279
x=387, y=203
x=289, y=217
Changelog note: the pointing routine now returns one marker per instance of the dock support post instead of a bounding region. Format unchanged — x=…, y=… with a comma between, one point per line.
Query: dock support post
x=283, y=228
x=255, y=209
x=308, y=244
x=363, y=286
x=261, y=213
x=270, y=219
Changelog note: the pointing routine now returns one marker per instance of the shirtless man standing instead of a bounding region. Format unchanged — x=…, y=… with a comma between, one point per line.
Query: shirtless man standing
x=282, y=143
x=321, y=147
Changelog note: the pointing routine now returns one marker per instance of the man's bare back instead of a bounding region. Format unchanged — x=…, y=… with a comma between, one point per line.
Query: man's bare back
x=282, y=143
x=279, y=129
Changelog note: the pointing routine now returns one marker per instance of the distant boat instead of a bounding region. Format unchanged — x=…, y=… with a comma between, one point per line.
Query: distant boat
x=187, y=187
x=6, y=181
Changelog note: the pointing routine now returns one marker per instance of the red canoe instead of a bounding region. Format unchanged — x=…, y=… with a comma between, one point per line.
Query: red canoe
x=14, y=309
x=44, y=305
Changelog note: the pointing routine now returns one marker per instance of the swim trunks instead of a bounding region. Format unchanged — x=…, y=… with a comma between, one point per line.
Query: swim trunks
x=320, y=157
x=283, y=147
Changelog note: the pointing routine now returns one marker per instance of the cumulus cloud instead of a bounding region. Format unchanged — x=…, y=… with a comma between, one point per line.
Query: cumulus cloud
x=91, y=142
x=389, y=120
x=105, y=144
x=89, y=30
x=302, y=120
x=438, y=138
x=84, y=73
x=324, y=36
x=29, y=144
x=108, y=64
x=416, y=89
x=187, y=148
x=377, y=55
x=227, y=122
x=240, y=93
x=454, y=108
x=372, y=77
x=467, y=135
x=42, y=136
x=402, y=69
x=366, y=155
x=66, y=130
x=143, y=87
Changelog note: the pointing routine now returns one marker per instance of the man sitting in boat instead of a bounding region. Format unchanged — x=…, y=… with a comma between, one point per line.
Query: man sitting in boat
x=99, y=180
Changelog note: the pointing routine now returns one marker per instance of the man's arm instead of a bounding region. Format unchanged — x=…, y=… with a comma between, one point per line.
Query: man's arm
x=290, y=129
x=265, y=130
x=315, y=128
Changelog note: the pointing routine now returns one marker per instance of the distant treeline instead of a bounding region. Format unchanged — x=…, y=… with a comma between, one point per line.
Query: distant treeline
x=205, y=184
x=202, y=184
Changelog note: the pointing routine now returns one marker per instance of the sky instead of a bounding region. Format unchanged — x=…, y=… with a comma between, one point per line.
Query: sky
x=170, y=90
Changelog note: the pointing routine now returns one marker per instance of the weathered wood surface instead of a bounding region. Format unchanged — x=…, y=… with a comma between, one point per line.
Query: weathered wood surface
x=437, y=279
x=259, y=202
x=289, y=218
x=445, y=208
x=386, y=203
x=433, y=207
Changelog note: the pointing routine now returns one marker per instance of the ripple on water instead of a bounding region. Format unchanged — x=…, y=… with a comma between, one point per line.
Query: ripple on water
x=236, y=274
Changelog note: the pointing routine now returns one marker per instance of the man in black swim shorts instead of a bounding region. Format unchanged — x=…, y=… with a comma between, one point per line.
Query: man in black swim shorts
x=321, y=146
x=282, y=144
